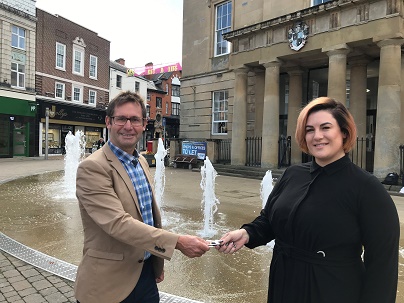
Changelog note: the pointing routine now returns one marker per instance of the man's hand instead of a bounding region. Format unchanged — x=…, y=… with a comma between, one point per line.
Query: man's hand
x=161, y=278
x=192, y=246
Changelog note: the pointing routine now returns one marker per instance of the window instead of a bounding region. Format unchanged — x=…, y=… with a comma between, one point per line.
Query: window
x=159, y=102
x=92, y=97
x=59, y=90
x=175, y=109
x=175, y=90
x=119, y=81
x=220, y=110
x=60, y=56
x=223, y=25
x=148, y=111
x=78, y=60
x=93, y=66
x=17, y=37
x=148, y=96
x=317, y=2
x=17, y=75
x=77, y=94
x=137, y=87
x=166, y=108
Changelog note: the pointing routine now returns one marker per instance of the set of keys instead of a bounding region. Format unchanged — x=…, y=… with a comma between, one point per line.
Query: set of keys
x=214, y=243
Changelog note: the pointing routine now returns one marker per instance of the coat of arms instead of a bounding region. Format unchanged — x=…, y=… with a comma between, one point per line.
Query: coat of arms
x=297, y=35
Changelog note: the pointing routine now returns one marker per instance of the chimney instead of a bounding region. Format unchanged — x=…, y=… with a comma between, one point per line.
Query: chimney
x=121, y=61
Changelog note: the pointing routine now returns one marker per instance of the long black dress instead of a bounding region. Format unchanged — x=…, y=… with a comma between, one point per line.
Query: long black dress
x=321, y=218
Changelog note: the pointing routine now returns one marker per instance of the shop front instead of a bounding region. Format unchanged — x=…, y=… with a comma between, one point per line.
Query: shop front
x=65, y=118
x=17, y=122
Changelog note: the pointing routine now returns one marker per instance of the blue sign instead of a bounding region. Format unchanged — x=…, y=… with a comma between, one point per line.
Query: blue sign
x=164, y=121
x=192, y=148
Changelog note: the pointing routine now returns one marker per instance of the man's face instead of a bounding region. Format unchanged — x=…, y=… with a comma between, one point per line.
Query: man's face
x=126, y=136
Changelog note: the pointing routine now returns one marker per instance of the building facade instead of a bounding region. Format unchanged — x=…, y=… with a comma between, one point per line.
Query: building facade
x=258, y=62
x=18, y=108
x=164, y=104
x=71, y=81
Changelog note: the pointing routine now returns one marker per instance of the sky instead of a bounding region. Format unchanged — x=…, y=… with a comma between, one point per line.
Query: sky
x=139, y=31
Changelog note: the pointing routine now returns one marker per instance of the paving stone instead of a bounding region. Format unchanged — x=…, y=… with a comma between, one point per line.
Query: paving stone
x=14, y=299
x=30, y=273
x=16, y=279
x=6, y=289
x=41, y=284
x=47, y=291
x=35, y=278
x=20, y=285
x=56, y=298
x=10, y=294
x=34, y=298
x=27, y=291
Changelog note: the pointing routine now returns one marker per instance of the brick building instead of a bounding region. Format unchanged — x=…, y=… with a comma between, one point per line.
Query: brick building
x=71, y=80
x=163, y=101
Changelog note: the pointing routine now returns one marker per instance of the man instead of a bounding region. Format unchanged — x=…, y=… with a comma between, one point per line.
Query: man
x=124, y=245
x=100, y=143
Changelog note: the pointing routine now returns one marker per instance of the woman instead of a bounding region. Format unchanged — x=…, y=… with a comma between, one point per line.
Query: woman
x=323, y=215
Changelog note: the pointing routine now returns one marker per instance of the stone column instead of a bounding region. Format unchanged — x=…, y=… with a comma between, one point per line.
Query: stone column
x=388, y=108
x=337, y=72
x=357, y=104
x=239, y=122
x=294, y=107
x=270, y=123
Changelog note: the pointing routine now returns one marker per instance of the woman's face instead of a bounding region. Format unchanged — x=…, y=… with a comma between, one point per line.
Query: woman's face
x=324, y=137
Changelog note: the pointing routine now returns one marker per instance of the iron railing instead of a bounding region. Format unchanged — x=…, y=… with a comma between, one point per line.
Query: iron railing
x=254, y=148
x=223, y=151
x=284, y=151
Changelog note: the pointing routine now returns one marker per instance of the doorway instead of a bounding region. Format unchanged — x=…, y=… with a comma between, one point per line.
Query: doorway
x=20, y=139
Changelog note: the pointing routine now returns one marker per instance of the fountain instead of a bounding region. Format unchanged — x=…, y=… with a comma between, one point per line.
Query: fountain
x=75, y=152
x=159, y=175
x=266, y=189
x=209, y=200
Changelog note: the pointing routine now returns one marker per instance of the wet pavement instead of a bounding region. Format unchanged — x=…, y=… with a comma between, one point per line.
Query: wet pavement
x=214, y=278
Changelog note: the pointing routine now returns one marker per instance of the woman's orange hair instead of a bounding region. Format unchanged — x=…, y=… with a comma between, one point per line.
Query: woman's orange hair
x=337, y=110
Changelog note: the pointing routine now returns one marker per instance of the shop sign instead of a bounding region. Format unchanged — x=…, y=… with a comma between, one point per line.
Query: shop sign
x=193, y=148
x=70, y=113
x=297, y=35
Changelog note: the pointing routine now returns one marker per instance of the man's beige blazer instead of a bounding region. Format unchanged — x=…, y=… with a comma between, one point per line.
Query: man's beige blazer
x=115, y=237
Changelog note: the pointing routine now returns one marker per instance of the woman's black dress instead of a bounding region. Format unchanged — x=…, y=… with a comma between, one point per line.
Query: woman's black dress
x=322, y=218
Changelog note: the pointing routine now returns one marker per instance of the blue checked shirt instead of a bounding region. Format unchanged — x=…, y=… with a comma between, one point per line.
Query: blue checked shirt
x=140, y=183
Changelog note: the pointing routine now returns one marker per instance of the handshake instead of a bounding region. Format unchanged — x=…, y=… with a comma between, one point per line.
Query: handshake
x=229, y=243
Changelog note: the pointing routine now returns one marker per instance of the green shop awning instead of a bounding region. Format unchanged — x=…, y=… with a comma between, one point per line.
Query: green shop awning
x=18, y=107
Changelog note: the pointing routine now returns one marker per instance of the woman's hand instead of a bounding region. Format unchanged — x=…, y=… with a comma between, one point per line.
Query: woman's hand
x=233, y=241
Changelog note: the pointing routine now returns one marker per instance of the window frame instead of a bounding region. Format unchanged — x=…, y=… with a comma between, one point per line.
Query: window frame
x=216, y=123
x=63, y=59
x=18, y=74
x=223, y=29
x=95, y=76
x=119, y=81
x=18, y=37
x=90, y=91
x=137, y=87
x=81, y=51
x=175, y=90
x=63, y=90
x=159, y=101
x=320, y=2
x=80, y=88
x=175, y=109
